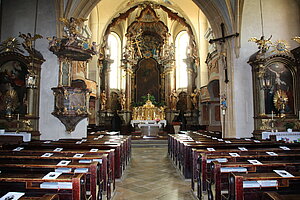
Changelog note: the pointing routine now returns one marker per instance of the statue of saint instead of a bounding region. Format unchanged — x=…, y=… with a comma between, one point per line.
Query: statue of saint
x=173, y=99
x=103, y=100
x=122, y=99
x=194, y=98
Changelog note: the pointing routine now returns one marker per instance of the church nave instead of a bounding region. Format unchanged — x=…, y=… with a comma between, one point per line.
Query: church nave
x=151, y=175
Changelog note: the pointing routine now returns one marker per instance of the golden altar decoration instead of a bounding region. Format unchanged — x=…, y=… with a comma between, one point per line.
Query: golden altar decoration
x=148, y=112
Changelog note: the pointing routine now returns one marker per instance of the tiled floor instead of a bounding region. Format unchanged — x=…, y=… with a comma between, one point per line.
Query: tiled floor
x=151, y=175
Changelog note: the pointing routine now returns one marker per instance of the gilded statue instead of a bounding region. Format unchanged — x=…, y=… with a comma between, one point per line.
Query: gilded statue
x=73, y=26
x=194, y=98
x=28, y=40
x=103, y=100
x=263, y=45
x=173, y=99
x=122, y=100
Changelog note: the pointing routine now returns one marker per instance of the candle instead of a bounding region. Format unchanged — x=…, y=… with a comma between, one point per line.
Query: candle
x=18, y=117
x=272, y=115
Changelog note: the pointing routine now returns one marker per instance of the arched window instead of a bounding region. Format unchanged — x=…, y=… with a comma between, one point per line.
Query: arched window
x=182, y=43
x=114, y=46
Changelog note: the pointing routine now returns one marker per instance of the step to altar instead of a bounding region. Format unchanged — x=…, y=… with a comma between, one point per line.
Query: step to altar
x=150, y=142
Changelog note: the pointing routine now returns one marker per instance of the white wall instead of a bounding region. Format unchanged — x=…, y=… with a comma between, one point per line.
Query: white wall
x=18, y=16
x=281, y=20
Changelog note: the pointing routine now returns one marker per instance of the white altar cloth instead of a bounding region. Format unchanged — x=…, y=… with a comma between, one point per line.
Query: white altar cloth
x=281, y=135
x=26, y=136
x=162, y=122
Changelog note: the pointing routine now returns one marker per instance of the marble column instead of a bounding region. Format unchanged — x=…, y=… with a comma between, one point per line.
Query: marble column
x=191, y=81
x=169, y=74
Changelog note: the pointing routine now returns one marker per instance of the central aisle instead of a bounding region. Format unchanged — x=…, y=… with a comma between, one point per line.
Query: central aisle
x=151, y=175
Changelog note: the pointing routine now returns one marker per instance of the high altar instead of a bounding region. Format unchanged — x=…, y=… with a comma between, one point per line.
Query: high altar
x=148, y=118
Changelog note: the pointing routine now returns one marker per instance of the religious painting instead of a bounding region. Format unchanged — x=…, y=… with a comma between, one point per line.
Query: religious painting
x=79, y=70
x=147, y=79
x=65, y=73
x=280, y=92
x=13, y=87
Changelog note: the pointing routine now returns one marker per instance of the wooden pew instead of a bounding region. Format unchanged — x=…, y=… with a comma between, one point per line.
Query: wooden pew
x=31, y=184
x=45, y=166
x=43, y=197
x=277, y=196
x=218, y=179
x=204, y=167
x=83, y=146
x=107, y=179
x=239, y=190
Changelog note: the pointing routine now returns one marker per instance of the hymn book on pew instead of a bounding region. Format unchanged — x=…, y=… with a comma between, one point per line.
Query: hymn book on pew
x=12, y=196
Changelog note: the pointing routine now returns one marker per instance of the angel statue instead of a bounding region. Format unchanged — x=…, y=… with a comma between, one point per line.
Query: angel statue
x=28, y=44
x=28, y=40
x=73, y=27
x=263, y=45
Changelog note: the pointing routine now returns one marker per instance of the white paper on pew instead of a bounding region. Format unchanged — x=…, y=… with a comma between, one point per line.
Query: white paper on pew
x=12, y=196
x=234, y=154
x=96, y=138
x=220, y=160
x=227, y=141
x=47, y=142
x=250, y=184
x=107, y=142
x=242, y=149
x=210, y=149
x=283, y=173
x=98, y=160
x=247, y=139
x=52, y=175
x=92, y=133
x=112, y=133
x=254, y=162
x=268, y=183
x=85, y=161
x=83, y=140
x=94, y=150
x=284, y=148
x=220, y=140
x=78, y=142
x=58, y=149
x=78, y=155
x=63, y=170
x=18, y=149
x=214, y=138
x=271, y=153
x=64, y=163
x=233, y=169
x=257, y=141
x=56, y=185
x=198, y=142
x=47, y=155
x=81, y=170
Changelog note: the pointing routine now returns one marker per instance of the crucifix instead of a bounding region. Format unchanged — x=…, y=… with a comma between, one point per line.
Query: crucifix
x=221, y=41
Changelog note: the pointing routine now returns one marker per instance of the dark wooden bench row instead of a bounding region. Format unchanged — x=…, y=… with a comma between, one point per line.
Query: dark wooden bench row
x=111, y=154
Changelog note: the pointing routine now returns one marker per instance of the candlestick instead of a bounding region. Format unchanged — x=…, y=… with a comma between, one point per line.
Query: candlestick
x=18, y=117
x=272, y=115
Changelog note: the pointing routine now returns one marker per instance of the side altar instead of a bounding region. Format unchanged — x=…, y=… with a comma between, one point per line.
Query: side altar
x=149, y=119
